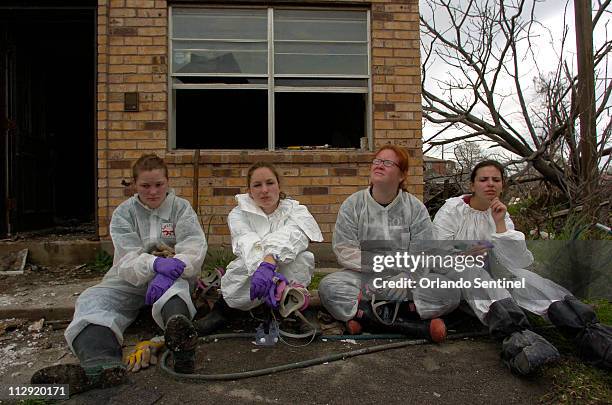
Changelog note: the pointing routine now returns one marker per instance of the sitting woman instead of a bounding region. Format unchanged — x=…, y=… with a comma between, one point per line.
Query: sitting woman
x=387, y=215
x=270, y=235
x=482, y=217
x=153, y=217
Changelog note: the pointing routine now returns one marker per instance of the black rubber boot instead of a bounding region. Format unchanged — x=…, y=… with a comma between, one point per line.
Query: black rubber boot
x=214, y=320
x=523, y=351
x=181, y=337
x=504, y=318
x=433, y=330
x=577, y=321
x=100, y=365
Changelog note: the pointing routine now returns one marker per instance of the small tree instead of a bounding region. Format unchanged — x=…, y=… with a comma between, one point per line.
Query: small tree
x=486, y=44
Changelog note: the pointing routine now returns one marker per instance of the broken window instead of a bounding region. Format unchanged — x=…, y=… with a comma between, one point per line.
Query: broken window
x=266, y=78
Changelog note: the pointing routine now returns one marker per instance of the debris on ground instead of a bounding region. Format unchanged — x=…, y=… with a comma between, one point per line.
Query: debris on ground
x=8, y=325
x=13, y=263
x=37, y=326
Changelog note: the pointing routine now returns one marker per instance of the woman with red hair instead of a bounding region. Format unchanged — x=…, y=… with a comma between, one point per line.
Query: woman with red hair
x=387, y=214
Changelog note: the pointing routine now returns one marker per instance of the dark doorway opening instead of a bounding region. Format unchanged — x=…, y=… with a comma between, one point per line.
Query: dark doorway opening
x=47, y=116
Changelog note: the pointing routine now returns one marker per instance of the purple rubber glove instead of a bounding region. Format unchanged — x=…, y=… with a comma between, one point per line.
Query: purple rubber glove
x=261, y=281
x=274, y=295
x=157, y=287
x=169, y=267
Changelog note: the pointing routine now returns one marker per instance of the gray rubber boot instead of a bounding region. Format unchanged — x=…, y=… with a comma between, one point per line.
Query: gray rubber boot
x=577, y=321
x=523, y=351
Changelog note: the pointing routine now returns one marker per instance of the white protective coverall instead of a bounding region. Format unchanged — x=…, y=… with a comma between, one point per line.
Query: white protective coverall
x=136, y=230
x=402, y=222
x=283, y=234
x=456, y=220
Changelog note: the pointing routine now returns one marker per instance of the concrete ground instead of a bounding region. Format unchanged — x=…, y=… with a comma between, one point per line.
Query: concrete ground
x=456, y=372
x=463, y=371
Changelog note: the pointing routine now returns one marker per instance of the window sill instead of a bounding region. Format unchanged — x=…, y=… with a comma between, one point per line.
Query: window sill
x=279, y=156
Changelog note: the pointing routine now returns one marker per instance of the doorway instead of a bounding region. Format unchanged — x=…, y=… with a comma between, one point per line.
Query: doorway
x=47, y=114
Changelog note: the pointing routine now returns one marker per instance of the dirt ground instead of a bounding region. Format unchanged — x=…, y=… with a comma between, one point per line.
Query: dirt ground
x=464, y=371
x=35, y=276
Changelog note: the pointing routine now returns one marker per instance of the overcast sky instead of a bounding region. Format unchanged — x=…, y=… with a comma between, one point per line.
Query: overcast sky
x=547, y=48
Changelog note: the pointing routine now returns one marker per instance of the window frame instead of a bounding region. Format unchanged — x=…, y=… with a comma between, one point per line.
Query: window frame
x=270, y=75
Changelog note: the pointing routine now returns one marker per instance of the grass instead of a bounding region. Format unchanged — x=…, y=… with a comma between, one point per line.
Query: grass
x=577, y=383
x=574, y=382
x=217, y=257
x=314, y=282
x=102, y=262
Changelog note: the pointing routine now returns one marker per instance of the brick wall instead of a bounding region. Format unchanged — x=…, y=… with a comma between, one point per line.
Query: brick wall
x=133, y=57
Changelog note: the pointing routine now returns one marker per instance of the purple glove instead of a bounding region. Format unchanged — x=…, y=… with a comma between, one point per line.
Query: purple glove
x=279, y=283
x=157, y=287
x=261, y=281
x=169, y=267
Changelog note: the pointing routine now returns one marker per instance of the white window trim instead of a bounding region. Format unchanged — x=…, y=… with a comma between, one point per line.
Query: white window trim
x=172, y=87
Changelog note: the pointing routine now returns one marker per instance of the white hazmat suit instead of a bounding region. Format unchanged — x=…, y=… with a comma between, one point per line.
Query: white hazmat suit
x=456, y=220
x=283, y=234
x=401, y=223
x=135, y=230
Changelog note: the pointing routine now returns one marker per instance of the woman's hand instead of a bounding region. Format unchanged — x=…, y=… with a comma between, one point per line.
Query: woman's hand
x=261, y=281
x=169, y=267
x=498, y=212
x=269, y=259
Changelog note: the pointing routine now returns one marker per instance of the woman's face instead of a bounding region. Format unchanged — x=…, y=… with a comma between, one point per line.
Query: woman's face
x=264, y=189
x=487, y=183
x=381, y=175
x=152, y=186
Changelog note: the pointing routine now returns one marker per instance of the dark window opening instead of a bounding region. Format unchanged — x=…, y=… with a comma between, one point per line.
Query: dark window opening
x=316, y=119
x=221, y=119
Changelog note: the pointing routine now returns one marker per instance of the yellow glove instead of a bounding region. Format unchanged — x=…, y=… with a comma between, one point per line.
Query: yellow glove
x=144, y=354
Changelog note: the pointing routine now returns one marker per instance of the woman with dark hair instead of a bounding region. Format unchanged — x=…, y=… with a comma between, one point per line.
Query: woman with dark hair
x=153, y=217
x=384, y=213
x=270, y=235
x=482, y=219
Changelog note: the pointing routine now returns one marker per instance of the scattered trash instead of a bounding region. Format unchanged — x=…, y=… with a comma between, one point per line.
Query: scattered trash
x=61, y=356
x=80, y=266
x=353, y=341
x=437, y=395
x=13, y=263
x=37, y=326
x=59, y=324
x=7, y=325
x=254, y=350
